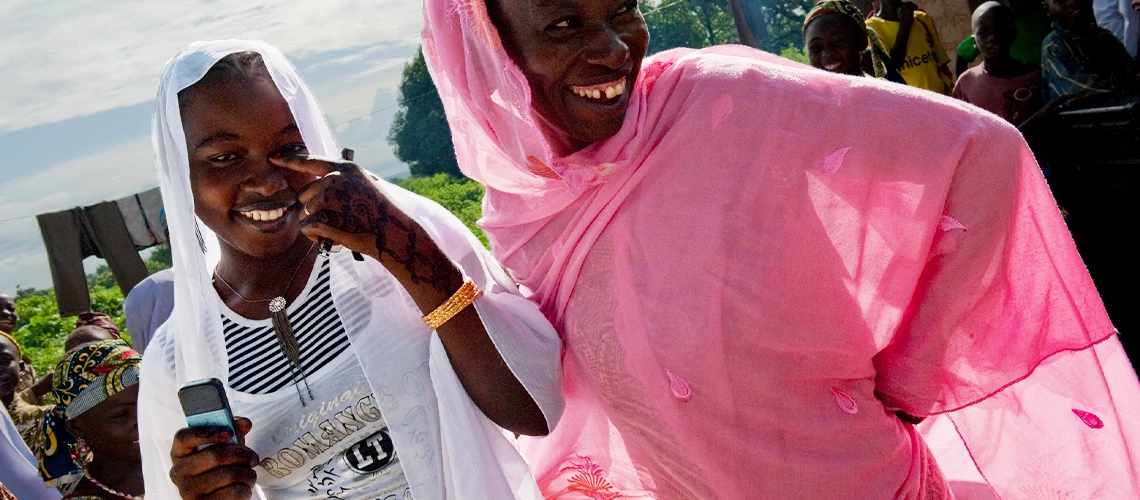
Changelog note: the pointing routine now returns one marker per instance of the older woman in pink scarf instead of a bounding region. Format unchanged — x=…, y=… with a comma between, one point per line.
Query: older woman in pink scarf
x=765, y=274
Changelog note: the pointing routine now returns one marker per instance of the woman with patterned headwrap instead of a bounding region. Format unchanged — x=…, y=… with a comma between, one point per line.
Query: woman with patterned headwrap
x=837, y=40
x=91, y=443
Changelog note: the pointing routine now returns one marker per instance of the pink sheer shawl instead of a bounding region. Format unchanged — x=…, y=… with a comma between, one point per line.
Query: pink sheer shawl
x=767, y=261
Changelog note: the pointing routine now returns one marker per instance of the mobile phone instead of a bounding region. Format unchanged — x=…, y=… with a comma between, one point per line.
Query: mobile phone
x=347, y=155
x=204, y=403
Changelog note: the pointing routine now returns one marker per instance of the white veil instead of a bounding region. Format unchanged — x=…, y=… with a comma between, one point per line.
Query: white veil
x=448, y=448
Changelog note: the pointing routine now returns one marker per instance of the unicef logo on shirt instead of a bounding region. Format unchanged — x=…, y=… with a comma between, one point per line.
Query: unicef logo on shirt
x=371, y=455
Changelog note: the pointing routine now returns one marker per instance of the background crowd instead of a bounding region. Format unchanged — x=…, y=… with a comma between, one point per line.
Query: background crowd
x=1065, y=72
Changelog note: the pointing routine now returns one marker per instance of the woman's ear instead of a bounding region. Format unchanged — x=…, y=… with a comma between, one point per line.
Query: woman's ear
x=76, y=429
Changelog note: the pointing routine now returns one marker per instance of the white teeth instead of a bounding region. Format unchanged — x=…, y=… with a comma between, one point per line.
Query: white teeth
x=600, y=93
x=265, y=215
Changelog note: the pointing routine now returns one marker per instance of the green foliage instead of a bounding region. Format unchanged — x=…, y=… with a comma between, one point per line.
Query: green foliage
x=688, y=23
x=419, y=135
x=796, y=54
x=42, y=330
x=701, y=23
x=160, y=258
x=23, y=293
x=460, y=196
x=102, y=278
x=785, y=21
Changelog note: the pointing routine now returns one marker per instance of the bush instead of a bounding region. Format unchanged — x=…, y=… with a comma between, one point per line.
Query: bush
x=42, y=330
x=462, y=197
x=796, y=54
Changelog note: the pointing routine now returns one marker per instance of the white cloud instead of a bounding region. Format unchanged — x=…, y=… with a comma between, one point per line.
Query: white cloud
x=128, y=168
x=70, y=58
x=113, y=173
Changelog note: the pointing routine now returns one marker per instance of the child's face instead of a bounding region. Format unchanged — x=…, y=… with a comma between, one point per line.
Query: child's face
x=834, y=44
x=232, y=128
x=994, y=34
x=1069, y=12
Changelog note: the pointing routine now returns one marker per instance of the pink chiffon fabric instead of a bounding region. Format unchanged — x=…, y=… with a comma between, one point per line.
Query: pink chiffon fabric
x=768, y=261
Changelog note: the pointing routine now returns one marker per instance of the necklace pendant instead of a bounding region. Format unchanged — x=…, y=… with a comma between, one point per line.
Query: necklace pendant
x=277, y=304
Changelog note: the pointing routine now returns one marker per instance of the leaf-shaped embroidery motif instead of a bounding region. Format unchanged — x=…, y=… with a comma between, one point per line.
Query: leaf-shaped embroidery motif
x=833, y=160
x=845, y=401
x=680, y=388
x=947, y=223
x=1089, y=419
x=540, y=169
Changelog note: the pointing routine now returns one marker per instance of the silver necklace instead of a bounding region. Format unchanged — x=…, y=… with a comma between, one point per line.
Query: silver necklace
x=286, y=339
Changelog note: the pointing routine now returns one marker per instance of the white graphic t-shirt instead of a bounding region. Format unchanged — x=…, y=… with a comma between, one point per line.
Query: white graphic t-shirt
x=337, y=445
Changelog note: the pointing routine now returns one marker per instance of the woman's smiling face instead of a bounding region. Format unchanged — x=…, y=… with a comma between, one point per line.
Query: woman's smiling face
x=233, y=125
x=581, y=59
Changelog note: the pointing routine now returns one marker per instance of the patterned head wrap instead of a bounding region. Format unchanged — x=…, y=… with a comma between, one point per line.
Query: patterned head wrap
x=850, y=10
x=98, y=319
x=85, y=378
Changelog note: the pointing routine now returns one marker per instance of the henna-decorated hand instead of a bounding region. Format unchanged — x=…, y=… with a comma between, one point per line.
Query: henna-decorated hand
x=345, y=206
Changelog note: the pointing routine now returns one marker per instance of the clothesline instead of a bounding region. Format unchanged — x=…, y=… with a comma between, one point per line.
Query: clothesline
x=361, y=117
x=29, y=216
x=16, y=218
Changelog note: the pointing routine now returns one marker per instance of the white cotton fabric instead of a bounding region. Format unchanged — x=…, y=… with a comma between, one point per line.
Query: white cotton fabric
x=448, y=448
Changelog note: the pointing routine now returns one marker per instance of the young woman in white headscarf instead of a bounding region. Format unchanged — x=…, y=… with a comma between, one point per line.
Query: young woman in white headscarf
x=398, y=368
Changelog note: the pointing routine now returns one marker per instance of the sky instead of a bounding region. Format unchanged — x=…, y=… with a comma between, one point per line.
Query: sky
x=80, y=77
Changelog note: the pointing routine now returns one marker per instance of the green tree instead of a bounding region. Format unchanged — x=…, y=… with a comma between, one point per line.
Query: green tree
x=160, y=258
x=701, y=23
x=23, y=293
x=419, y=135
x=102, y=278
x=460, y=196
x=783, y=22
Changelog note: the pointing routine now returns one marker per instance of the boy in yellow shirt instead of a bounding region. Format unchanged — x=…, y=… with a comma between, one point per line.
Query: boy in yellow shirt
x=915, y=45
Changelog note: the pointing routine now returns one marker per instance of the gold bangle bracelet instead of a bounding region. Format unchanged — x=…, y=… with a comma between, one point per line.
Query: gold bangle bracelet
x=458, y=301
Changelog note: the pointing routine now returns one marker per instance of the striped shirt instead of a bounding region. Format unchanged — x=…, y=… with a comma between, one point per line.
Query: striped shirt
x=257, y=365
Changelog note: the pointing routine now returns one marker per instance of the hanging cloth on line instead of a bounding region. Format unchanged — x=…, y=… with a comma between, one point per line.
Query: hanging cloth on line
x=142, y=216
x=99, y=230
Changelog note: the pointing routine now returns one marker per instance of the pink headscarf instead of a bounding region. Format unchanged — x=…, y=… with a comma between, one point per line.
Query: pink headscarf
x=767, y=261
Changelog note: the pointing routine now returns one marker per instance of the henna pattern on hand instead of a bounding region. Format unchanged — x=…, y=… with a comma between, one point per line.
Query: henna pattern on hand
x=364, y=210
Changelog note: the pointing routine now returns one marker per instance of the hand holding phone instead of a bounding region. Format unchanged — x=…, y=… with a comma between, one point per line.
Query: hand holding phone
x=210, y=459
